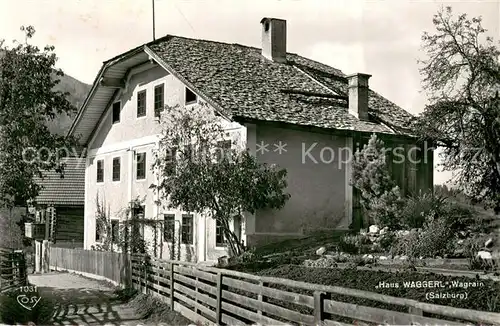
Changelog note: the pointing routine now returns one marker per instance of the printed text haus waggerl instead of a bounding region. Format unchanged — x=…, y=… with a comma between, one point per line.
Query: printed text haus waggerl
x=268, y=96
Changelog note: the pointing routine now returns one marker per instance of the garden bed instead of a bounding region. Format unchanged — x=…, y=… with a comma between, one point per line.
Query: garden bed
x=483, y=295
x=425, y=270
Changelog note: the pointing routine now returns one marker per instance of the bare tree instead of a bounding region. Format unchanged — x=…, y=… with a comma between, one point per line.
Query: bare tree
x=461, y=76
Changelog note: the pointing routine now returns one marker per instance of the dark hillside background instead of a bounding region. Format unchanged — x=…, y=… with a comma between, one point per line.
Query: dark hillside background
x=77, y=94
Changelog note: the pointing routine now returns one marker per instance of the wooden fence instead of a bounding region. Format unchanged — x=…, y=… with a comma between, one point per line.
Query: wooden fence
x=12, y=269
x=216, y=296
x=110, y=265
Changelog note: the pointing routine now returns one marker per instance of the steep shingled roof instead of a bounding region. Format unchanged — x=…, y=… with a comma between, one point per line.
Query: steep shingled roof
x=68, y=189
x=246, y=85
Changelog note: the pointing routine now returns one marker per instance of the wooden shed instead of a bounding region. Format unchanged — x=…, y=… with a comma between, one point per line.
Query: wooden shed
x=60, y=204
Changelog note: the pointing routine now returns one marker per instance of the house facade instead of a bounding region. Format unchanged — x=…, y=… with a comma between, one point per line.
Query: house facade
x=286, y=109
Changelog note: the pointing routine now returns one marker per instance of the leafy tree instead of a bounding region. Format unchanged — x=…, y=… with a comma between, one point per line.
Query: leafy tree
x=461, y=76
x=199, y=174
x=380, y=196
x=27, y=102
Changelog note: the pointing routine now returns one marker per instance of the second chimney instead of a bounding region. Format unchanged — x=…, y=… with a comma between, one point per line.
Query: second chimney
x=274, y=39
x=358, y=95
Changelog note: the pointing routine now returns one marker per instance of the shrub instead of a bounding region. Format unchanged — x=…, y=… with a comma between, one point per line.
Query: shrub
x=11, y=312
x=418, y=207
x=387, y=240
x=434, y=239
x=355, y=261
x=472, y=246
x=126, y=294
x=459, y=218
x=354, y=244
x=406, y=245
x=379, y=195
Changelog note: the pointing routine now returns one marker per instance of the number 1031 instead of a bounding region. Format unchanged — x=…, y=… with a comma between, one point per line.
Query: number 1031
x=27, y=289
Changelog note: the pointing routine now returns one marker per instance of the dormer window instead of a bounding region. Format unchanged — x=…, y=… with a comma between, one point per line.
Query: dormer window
x=116, y=112
x=191, y=97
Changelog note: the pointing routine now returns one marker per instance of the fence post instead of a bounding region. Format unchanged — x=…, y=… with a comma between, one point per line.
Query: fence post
x=318, y=307
x=145, y=289
x=172, y=282
x=38, y=256
x=415, y=311
x=45, y=256
x=260, y=297
x=160, y=270
x=196, y=311
x=218, y=310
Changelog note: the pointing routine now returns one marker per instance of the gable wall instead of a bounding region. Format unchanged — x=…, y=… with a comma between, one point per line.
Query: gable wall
x=316, y=182
x=133, y=135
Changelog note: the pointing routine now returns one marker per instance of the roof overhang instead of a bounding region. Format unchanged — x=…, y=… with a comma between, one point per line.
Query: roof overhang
x=320, y=130
x=111, y=77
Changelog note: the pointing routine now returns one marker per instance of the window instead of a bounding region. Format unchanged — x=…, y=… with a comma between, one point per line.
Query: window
x=141, y=103
x=100, y=171
x=170, y=160
x=116, y=112
x=114, y=231
x=98, y=236
x=190, y=96
x=220, y=240
x=116, y=169
x=187, y=229
x=138, y=228
x=141, y=166
x=223, y=150
x=159, y=99
x=138, y=211
x=169, y=227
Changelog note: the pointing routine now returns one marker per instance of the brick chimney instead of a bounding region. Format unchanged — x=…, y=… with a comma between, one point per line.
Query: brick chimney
x=358, y=95
x=274, y=39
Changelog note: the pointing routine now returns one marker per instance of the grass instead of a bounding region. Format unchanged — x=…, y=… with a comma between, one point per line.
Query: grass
x=153, y=311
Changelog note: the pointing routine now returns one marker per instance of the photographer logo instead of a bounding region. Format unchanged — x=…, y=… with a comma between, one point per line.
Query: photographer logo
x=29, y=297
x=27, y=301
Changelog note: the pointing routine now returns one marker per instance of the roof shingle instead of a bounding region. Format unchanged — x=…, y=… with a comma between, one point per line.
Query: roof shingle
x=246, y=85
x=67, y=188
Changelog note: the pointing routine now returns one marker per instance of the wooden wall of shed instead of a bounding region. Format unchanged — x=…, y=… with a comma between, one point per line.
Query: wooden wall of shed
x=413, y=173
x=69, y=226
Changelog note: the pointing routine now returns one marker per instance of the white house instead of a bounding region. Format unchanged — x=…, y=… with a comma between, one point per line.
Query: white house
x=289, y=110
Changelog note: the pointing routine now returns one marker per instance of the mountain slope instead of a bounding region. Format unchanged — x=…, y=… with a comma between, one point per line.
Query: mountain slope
x=77, y=93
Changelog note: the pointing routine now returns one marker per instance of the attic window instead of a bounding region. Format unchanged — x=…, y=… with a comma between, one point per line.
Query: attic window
x=190, y=97
x=266, y=26
x=159, y=100
x=100, y=171
x=116, y=112
x=141, y=104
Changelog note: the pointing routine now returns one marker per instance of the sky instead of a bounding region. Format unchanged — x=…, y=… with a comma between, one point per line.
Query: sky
x=381, y=37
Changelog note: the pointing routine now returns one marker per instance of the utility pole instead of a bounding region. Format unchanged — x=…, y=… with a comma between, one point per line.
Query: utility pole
x=153, y=2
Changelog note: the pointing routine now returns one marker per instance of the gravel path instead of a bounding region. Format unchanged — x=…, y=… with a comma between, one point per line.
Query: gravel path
x=83, y=301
